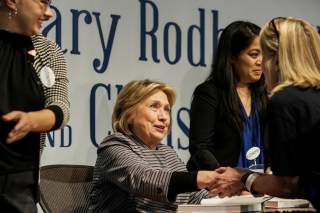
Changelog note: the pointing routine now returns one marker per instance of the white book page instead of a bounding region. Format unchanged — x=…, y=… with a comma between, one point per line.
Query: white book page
x=235, y=200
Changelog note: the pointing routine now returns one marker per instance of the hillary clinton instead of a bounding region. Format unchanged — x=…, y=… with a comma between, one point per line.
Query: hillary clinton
x=134, y=172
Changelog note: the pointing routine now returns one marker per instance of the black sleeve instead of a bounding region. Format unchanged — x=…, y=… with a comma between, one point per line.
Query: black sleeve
x=202, y=128
x=58, y=116
x=182, y=182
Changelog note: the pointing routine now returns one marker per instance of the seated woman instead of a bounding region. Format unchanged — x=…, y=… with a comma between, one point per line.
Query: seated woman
x=134, y=172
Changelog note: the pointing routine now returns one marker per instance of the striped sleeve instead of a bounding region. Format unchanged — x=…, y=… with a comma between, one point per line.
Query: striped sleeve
x=126, y=169
x=56, y=97
x=196, y=197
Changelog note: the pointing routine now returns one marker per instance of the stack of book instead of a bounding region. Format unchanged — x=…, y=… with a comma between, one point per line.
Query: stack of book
x=244, y=203
x=280, y=203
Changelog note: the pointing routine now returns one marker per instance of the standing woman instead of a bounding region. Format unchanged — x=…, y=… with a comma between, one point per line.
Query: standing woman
x=33, y=99
x=291, y=62
x=227, y=110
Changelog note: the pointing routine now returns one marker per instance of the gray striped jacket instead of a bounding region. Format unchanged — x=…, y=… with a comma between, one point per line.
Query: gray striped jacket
x=130, y=177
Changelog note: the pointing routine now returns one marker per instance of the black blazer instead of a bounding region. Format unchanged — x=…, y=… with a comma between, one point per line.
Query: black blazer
x=213, y=139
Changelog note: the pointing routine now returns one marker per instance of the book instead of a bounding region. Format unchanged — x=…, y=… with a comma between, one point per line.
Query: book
x=235, y=204
x=235, y=200
x=286, y=203
x=208, y=208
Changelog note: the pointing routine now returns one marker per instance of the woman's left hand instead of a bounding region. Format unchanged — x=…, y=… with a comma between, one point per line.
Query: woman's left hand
x=23, y=125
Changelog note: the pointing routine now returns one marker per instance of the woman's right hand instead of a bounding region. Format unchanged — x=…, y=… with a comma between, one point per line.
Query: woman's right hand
x=227, y=182
x=222, y=182
x=206, y=179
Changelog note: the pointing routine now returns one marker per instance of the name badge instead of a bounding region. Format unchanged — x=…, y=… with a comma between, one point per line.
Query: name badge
x=253, y=153
x=47, y=76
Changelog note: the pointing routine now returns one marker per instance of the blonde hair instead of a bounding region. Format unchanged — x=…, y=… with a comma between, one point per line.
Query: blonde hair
x=130, y=96
x=296, y=43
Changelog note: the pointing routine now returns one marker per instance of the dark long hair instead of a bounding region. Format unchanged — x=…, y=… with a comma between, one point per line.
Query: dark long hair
x=236, y=37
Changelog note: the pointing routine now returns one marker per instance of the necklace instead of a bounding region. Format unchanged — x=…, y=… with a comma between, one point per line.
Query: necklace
x=245, y=98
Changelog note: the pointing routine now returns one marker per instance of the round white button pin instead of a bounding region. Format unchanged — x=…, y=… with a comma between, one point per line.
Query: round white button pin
x=253, y=153
x=47, y=76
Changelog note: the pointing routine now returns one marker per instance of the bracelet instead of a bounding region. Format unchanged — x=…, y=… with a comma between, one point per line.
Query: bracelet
x=244, y=179
x=247, y=180
x=250, y=181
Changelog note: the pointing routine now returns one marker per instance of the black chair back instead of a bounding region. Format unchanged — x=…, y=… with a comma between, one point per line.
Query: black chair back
x=65, y=188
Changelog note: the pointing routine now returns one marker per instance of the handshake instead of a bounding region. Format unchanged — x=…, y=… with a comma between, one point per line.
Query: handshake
x=222, y=182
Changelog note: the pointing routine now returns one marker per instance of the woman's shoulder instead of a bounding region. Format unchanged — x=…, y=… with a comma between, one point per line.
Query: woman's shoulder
x=207, y=91
x=294, y=96
x=289, y=94
x=115, y=139
x=41, y=42
x=207, y=86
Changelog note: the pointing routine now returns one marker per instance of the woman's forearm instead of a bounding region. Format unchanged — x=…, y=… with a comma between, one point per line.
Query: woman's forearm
x=278, y=186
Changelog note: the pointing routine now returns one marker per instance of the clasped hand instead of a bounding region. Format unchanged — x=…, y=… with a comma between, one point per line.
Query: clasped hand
x=223, y=182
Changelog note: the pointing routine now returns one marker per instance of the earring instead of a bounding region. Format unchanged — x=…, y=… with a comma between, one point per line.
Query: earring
x=10, y=15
